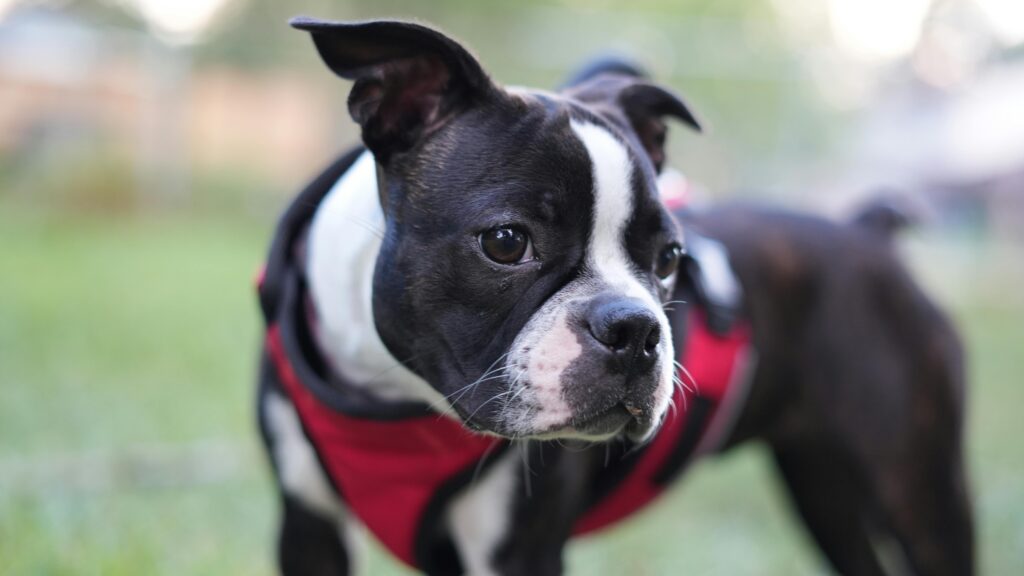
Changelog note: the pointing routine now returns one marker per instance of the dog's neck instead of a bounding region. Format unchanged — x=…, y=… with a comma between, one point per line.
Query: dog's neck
x=344, y=240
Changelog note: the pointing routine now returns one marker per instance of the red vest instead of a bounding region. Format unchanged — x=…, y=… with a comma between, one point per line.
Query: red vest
x=398, y=469
x=389, y=472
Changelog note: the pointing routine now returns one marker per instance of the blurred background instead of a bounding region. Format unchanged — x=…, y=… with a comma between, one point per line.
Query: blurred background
x=146, y=147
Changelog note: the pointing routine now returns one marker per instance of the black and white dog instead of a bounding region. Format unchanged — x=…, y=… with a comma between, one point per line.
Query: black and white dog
x=458, y=311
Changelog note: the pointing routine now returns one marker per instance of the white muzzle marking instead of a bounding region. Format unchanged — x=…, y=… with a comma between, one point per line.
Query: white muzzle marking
x=547, y=346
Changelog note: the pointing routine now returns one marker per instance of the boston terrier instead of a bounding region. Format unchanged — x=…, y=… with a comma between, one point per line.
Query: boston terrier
x=469, y=349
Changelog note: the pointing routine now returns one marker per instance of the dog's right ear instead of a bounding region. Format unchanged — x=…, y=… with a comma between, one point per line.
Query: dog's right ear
x=623, y=84
x=409, y=79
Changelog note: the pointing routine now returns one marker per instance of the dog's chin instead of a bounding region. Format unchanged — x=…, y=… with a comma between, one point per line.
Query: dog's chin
x=609, y=422
x=640, y=432
x=615, y=422
x=635, y=414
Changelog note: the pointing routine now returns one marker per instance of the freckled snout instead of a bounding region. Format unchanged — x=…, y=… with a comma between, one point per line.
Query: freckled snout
x=591, y=367
x=629, y=330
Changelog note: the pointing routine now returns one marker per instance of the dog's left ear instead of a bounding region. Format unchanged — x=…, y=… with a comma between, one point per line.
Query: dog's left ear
x=644, y=104
x=410, y=80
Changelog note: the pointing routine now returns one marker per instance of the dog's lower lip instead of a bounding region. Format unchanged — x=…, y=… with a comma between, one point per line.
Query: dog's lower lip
x=633, y=410
x=612, y=420
x=641, y=424
x=636, y=430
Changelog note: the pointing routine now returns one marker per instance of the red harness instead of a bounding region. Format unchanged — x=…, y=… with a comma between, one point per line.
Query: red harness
x=398, y=471
x=389, y=472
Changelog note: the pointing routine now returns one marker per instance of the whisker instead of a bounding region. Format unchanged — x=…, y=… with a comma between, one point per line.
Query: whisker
x=516, y=395
x=527, y=472
x=489, y=374
x=451, y=405
x=480, y=464
x=488, y=401
x=672, y=406
x=693, y=381
x=512, y=386
x=367, y=226
x=494, y=376
x=676, y=382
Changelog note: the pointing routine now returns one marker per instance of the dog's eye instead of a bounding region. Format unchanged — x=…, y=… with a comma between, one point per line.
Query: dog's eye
x=668, y=260
x=507, y=245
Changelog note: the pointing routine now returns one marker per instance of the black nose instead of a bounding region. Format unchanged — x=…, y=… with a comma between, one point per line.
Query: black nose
x=629, y=330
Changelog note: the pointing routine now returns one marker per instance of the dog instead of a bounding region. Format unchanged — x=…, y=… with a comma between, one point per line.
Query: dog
x=858, y=392
x=474, y=320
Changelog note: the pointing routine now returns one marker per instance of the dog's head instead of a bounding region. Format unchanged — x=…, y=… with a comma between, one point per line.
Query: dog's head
x=526, y=255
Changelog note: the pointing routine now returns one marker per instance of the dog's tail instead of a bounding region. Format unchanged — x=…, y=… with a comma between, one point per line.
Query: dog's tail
x=605, y=64
x=886, y=214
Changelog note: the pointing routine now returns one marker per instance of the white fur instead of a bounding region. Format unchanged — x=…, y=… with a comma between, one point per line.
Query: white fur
x=613, y=207
x=343, y=243
x=480, y=517
x=534, y=380
x=546, y=346
x=555, y=350
x=720, y=282
x=303, y=478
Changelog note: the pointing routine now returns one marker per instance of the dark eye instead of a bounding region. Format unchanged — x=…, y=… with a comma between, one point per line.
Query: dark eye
x=507, y=245
x=668, y=260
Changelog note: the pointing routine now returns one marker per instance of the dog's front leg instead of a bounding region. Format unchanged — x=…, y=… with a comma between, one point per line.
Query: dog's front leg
x=517, y=518
x=318, y=535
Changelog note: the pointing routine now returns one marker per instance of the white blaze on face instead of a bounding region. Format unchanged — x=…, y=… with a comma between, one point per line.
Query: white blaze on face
x=547, y=345
x=613, y=208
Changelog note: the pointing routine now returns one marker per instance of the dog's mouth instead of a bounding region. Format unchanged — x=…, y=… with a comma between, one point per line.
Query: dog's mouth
x=634, y=414
x=609, y=422
x=634, y=423
x=621, y=419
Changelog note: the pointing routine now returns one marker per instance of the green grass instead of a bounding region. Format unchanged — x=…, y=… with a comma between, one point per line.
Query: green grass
x=134, y=336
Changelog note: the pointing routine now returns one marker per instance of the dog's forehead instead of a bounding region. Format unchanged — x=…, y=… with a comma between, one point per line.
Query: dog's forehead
x=514, y=155
x=605, y=139
x=547, y=155
x=553, y=130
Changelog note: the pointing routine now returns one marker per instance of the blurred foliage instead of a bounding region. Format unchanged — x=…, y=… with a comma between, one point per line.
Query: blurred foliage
x=231, y=40
x=729, y=59
x=100, y=179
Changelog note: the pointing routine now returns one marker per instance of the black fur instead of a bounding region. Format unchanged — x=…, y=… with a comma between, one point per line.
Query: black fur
x=457, y=157
x=859, y=388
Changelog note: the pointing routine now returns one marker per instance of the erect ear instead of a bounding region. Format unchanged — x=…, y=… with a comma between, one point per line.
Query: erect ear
x=409, y=79
x=644, y=104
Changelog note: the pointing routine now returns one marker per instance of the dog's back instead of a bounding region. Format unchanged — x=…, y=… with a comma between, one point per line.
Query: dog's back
x=859, y=389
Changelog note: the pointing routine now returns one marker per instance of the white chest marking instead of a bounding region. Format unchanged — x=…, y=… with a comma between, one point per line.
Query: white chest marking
x=480, y=517
x=344, y=240
x=298, y=468
x=303, y=478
